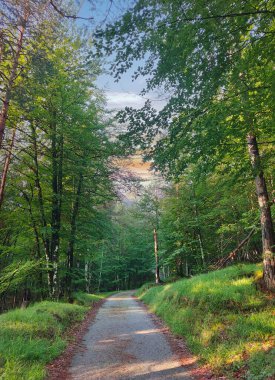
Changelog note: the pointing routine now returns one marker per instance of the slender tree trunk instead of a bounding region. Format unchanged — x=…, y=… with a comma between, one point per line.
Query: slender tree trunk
x=12, y=77
x=57, y=163
x=87, y=276
x=268, y=237
x=100, y=271
x=157, y=277
x=199, y=234
x=34, y=225
x=2, y=37
x=70, y=250
x=45, y=236
x=201, y=247
x=186, y=268
x=6, y=168
x=86, y=273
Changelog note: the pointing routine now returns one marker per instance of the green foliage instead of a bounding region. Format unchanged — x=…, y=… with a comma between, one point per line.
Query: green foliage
x=30, y=338
x=60, y=180
x=16, y=274
x=144, y=288
x=125, y=256
x=202, y=220
x=61, y=232
x=215, y=63
x=225, y=320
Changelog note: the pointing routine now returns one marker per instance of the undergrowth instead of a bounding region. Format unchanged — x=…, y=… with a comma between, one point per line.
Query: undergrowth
x=225, y=320
x=86, y=299
x=30, y=338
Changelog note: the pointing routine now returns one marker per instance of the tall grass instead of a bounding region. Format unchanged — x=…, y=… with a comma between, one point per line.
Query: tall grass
x=30, y=338
x=86, y=299
x=225, y=320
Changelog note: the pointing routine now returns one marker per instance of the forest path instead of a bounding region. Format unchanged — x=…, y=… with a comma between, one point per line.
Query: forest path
x=123, y=343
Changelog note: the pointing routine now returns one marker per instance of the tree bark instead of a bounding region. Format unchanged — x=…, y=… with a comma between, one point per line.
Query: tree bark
x=33, y=222
x=70, y=250
x=100, y=271
x=268, y=237
x=198, y=230
x=88, y=276
x=13, y=75
x=157, y=277
x=57, y=164
x=6, y=168
x=45, y=236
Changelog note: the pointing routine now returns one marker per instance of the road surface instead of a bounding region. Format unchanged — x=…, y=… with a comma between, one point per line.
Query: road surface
x=123, y=343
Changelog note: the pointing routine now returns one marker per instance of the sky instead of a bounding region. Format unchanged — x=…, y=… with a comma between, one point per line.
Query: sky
x=125, y=92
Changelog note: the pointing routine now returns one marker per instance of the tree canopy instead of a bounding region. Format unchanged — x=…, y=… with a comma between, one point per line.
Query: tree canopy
x=214, y=63
x=63, y=226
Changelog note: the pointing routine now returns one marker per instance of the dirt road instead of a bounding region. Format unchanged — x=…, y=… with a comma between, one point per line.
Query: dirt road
x=124, y=343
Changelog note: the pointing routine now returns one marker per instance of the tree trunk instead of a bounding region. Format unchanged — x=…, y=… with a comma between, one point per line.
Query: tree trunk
x=157, y=277
x=198, y=230
x=12, y=77
x=186, y=268
x=87, y=276
x=2, y=37
x=57, y=163
x=45, y=236
x=70, y=250
x=268, y=239
x=100, y=271
x=6, y=168
x=33, y=222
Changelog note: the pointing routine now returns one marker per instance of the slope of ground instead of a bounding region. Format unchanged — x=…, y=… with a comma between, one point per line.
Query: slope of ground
x=30, y=338
x=227, y=322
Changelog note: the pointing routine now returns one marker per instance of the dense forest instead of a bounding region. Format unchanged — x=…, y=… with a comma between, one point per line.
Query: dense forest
x=63, y=225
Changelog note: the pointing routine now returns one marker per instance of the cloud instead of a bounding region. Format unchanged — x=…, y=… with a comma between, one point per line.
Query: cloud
x=117, y=100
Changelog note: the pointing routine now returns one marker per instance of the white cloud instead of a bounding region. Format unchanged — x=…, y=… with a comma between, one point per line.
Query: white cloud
x=117, y=100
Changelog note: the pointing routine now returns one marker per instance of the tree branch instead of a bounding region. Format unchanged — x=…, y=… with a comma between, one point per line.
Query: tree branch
x=63, y=14
x=233, y=253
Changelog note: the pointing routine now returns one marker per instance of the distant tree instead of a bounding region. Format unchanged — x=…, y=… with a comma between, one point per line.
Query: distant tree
x=149, y=207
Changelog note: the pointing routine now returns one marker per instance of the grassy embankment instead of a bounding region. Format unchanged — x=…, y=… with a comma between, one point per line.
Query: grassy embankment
x=225, y=320
x=30, y=338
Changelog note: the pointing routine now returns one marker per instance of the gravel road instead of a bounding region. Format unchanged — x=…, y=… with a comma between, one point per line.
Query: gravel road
x=124, y=343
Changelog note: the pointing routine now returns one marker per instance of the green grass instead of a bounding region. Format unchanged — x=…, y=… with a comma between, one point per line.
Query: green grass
x=30, y=338
x=145, y=287
x=86, y=299
x=225, y=320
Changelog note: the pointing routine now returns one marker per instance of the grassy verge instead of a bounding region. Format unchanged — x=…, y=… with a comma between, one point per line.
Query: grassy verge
x=85, y=299
x=225, y=320
x=30, y=338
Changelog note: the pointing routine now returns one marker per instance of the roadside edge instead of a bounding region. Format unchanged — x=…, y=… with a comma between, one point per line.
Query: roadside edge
x=58, y=369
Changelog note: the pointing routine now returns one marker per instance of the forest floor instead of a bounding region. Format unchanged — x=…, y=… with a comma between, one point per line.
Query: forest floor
x=127, y=342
